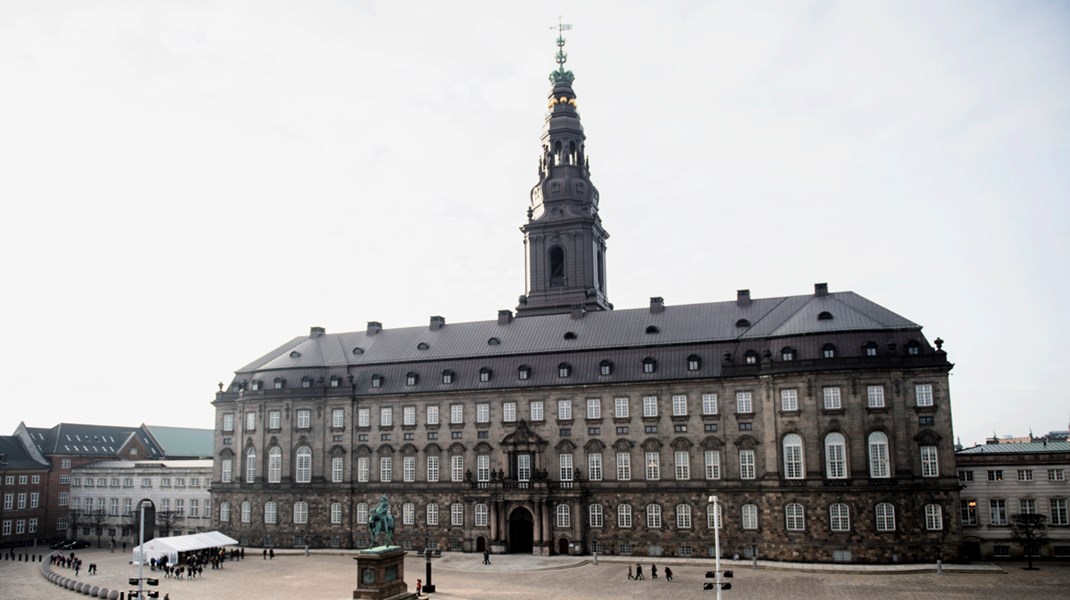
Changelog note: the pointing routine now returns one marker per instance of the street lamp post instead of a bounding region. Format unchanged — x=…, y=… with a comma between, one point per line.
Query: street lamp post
x=717, y=574
x=428, y=588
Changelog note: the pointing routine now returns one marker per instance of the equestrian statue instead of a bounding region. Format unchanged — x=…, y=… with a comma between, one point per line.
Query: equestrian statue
x=380, y=521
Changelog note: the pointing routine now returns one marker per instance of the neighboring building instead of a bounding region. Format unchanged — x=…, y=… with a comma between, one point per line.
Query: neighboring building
x=105, y=497
x=67, y=446
x=822, y=421
x=23, y=488
x=1001, y=480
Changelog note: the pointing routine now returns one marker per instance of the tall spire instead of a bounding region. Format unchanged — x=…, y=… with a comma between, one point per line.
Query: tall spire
x=565, y=241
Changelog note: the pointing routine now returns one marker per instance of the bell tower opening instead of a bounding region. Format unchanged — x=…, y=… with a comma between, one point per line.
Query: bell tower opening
x=557, y=267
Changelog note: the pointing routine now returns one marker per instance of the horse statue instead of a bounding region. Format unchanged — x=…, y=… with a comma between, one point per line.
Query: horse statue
x=380, y=521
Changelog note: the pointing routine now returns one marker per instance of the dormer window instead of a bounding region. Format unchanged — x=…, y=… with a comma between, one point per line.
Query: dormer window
x=824, y=316
x=485, y=374
x=605, y=367
x=649, y=365
x=493, y=341
x=358, y=350
x=787, y=353
x=913, y=348
x=257, y=384
x=694, y=363
x=423, y=346
x=652, y=329
x=742, y=323
x=570, y=335
x=751, y=357
x=377, y=381
x=295, y=354
x=564, y=370
x=523, y=372
x=306, y=382
x=447, y=376
x=410, y=378
x=828, y=351
x=870, y=349
x=280, y=383
x=335, y=381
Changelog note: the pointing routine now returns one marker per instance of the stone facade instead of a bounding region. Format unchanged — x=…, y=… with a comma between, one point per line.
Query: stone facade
x=573, y=427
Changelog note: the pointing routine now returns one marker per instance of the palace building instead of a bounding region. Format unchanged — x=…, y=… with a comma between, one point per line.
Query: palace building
x=822, y=422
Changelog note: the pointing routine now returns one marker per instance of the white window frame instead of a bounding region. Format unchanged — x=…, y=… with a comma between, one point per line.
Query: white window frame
x=386, y=469
x=709, y=404
x=792, y=446
x=274, y=470
x=596, y=515
x=408, y=469
x=594, y=466
x=304, y=418
x=624, y=466
x=304, y=464
x=749, y=516
x=483, y=412
x=565, y=467
x=564, y=516
x=537, y=411
x=833, y=399
x=653, y=516
x=839, y=517
x=457, y=468
x=794, y=517
x=432, y=415
x=923, y=394
x=744, y=403
x=386, y=416
x=509, y=412
x=879, y=455
x=930, y=462
x=679, y=405
x=594, y=408
x=650, y=406
x=621, y=408
x=747, y=464
x=433, y=471
x=885, y=515
x=456, y=414
x=337, y=469
x=682, y=465
x=875, y=396
x=934, y=517
x=364, y=468
x=624, y=516
x=835, y=456
x=683, y=516
x=564, y=410
x=652, y=465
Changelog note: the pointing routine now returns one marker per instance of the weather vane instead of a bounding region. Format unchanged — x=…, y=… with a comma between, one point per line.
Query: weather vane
x=561, y=74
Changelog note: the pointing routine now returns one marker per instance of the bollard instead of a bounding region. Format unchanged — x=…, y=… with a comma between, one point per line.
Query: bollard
x=939, y=567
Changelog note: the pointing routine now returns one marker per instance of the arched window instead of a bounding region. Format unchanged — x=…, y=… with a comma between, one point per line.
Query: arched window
x=650, y=329
x=870, y=349
x=624, y=516
x=304, y=464
x=605, y=367
x=250, y=465
x=653, y=516
x=411, y=378
x=750, y=516
x=649, y=365
x=564, y=370
x=485, y=374
x=274, y=473
x=377, y=381
x=683, y=516
x=271, y=512
x=839, y=517
x=694, y=362
x=557, y=266
x=835, y=456
x=523, y=372
x=878, y=455
x=224, y=512
x=787, y=353
x=595, y=512
x=913, y=348
x=246, y=512
x=280, y=383
x=362, y=514
x=885, y=517
x=794, y=517
x=828, y=351
x=564, y=516
x=447, y=376
x=793, y=456
x=300, y=513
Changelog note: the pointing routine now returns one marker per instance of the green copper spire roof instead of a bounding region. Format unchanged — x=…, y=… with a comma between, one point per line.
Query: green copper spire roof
x=560, y=74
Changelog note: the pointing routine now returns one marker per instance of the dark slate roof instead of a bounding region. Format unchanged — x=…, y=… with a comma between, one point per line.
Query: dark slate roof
x=88, y=440
x=183, y=442
x=695, y=323
x=1026, y=448
x=16, y=456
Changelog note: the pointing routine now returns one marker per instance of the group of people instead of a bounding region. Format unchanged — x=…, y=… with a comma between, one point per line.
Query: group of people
x=638, y=575
x=71, y=561
x=191, y=564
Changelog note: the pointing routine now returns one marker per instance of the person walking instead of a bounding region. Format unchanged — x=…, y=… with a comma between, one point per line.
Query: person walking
x=630, y=576
x=653, y=571
x=486, y=557
x=668, y=574
x=271, y=554
x=639, y=572
x=265, y=553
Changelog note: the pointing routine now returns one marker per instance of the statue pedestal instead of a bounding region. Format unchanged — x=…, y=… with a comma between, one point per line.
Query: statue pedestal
x=381, y=575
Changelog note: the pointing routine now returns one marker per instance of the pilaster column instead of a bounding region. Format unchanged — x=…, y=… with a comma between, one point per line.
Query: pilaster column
x=536, y=526
x=493, y=510
x=546, y=523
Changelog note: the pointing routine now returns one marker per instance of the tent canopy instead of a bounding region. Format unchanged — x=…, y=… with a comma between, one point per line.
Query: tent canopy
x=171, y=546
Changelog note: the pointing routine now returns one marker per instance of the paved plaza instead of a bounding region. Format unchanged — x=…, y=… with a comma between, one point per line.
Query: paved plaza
x=513, y=577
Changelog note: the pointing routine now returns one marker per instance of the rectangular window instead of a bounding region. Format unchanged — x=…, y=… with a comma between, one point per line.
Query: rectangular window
x=750, y=516
x=995, y=475
x=743, y=403
x=789, y=400
x=250, y=421
x=432, y=415
x=180, y=506
x=271, y=514
x=1025, y=475
x=246, y=512
x=1056, y=475
x=483, y=413
x=457, y=468
x=456, y=414
x=594, y=408
x=565, y=467
x=228, y=422
x=408, y=416
x=65, y=463
x=650, y=406
x=934, y=517
x=875, y=396
x=386, y=468
x=965, y=476
x=457, y=514
x=363, y=469
x=1027, y=506
x=595, y=512
x=536, y=408
x=683, y=465
x=336, y=469
x=432, y=469
x=832, y=398
x=923, y=394
x=364, y=417
x=304, y=419
x=194, y=508
x=679, y=406
x=564, y=410
x=652, y=462
x=408, y=469
x=653, y=516
x=509, y=412
x=523, y=467
x=35, y=479
x=64, y=498
x=481, y=515
x=35, y=499
x=624, y=466
x=709, y=404
x=336, y=513
x=746, y=464
x=620, y=408
x=594, y=467
x=713, y=464
x=1058, y=511
x=33, y=526
x=386, y=416
x=968, y=511
x=930, y=467
x=274, y=419
x=624, y=516
x=997, y=512
x=483, y=467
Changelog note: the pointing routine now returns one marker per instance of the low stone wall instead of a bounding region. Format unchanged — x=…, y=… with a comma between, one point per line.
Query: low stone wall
x=79, y=587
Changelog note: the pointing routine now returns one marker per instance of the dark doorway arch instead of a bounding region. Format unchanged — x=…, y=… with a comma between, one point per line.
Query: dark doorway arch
x=521, y=540
x=562, y=546
x=481, y=544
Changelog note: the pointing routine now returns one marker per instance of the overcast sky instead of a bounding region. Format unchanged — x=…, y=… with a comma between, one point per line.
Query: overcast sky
x=186, y=185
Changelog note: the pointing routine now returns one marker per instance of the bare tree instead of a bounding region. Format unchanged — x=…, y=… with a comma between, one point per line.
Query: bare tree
x=97, y=518
x=1031, y=530
x=166, y=520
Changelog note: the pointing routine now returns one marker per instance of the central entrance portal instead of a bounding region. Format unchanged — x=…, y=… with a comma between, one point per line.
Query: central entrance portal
x=521, y=540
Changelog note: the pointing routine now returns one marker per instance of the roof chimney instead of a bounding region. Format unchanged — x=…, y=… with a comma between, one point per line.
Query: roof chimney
x=437, y=323
x=742, y=297
x=657, y=304
x=316, y=332
x=578, y=310
x=505, y=317
x=374, y=327
x=821, y=289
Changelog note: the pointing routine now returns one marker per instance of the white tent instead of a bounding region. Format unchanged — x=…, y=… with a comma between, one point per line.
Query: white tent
x=171, y=546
